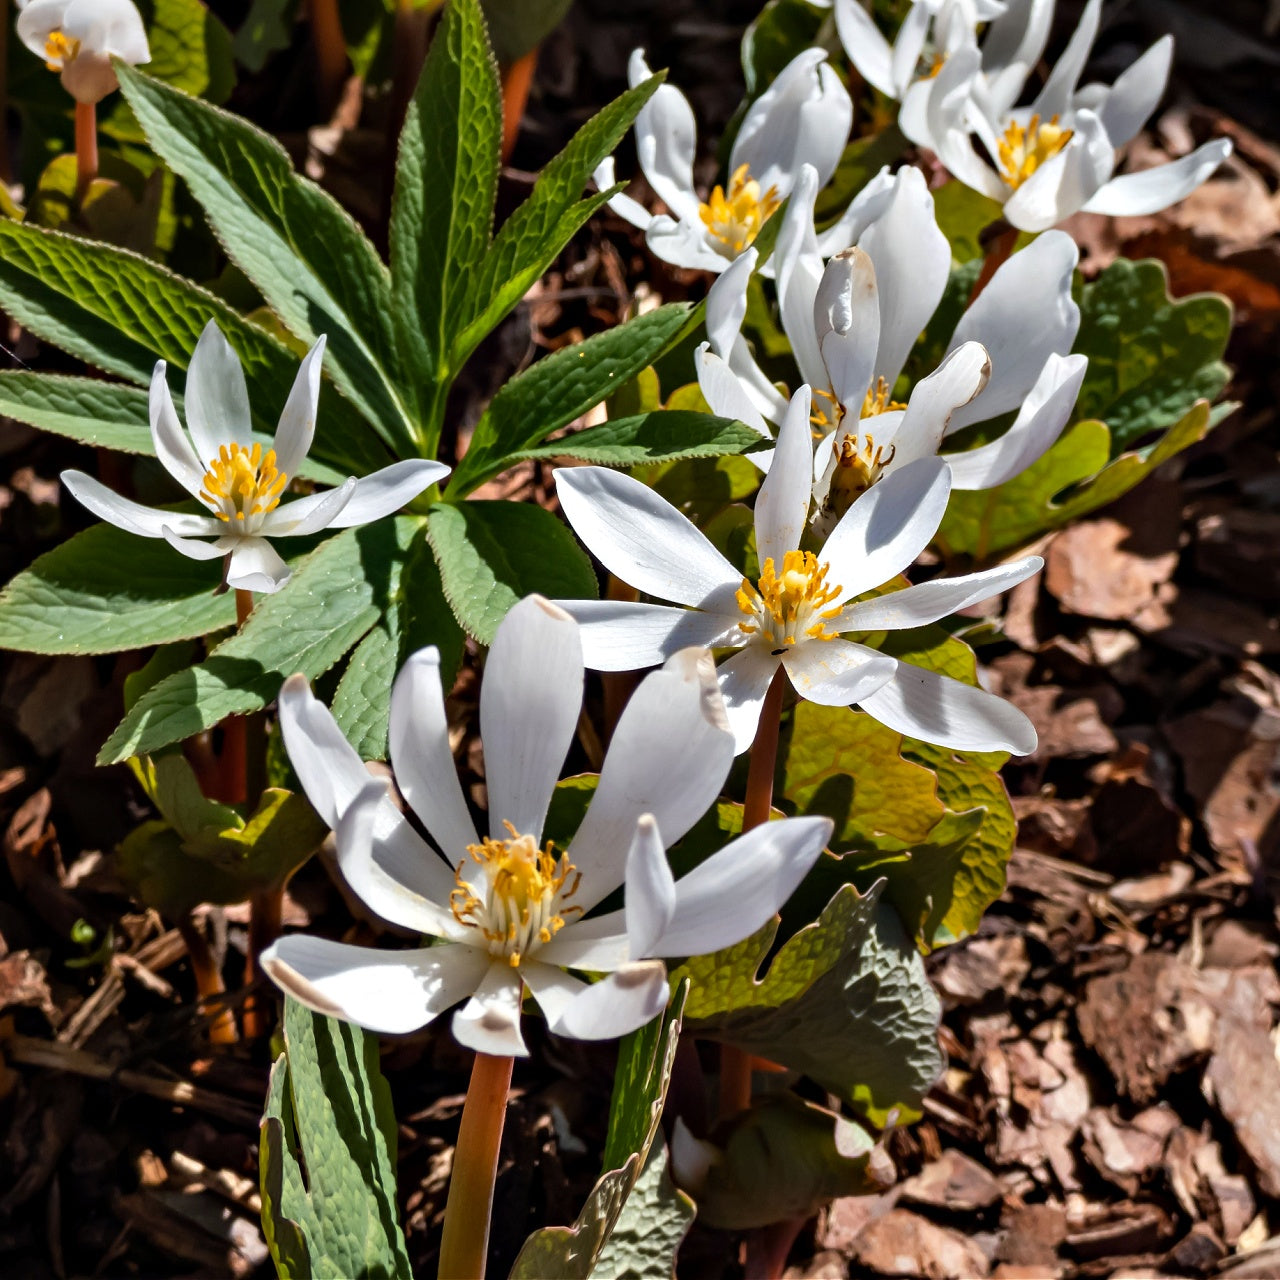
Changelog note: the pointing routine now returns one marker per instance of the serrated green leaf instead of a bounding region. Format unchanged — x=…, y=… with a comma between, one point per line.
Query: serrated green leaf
x=654, y=1220
x=491, y=554
x=335, y=595
x=121, y=312
x=105, y=590
x=562, y=387
x=1074, y=477
x=442, y=209
x=845, y=1001
x=1150, y=357
x=303, y=251
x=645, y=1059
x=416, y=614
x=531, y=238
x=328, y=1155
x=660, y=436
x=109, y=415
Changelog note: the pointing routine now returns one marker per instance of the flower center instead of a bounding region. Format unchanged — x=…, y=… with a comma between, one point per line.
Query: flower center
x=827, y=415
x=527, y=893
x=1023, y=151
x=59, y=49
x=877, y=400
x=735, y=219
x=859, y=464
x=242, y=483
x=788, y=608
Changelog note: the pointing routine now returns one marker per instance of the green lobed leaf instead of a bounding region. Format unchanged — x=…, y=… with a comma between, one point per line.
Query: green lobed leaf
x=660, y=436
x=654, y=1221
x=303, y=251
x=105, y=590
x=531, y=238
x=416, y=614
x=335, y=596
x=963, y=214
x=491, y=554
x=645, y=1059
x=1071, y=479
x=121, y=312
x=327, y=1155
x=845, y=1001
x=1150, y=357
x=442, y=209
x=561, y=387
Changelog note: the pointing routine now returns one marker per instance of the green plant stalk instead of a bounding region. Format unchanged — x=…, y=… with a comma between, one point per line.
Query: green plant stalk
x=464, y=1247
x=735, y=1066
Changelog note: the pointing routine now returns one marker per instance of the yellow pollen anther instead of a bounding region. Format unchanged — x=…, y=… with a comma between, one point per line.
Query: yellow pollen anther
x=243, y=482
x=785, y=608
x=877, y=400
x=1023, y=151
x=59, y=49
x=527, y=886
x=828, y=415
x=735, y=220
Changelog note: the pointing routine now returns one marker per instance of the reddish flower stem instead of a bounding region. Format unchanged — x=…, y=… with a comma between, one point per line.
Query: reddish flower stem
x=86, y=147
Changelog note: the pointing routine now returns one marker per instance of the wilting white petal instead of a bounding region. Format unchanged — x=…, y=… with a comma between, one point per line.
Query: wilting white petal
x=421, y=755
x=836, y=673
x=642, y=539
x=1150, y=190
x=387, y=490
x=217, y=399
x=669, y=757
x=1044, y=413
x=529, y=705
x=938, y=709
x=390, y=992
x=297, y=426
x=490, y=1021
x=621, y=635
x=172, y=444
x=782, y=505
x=887, y=527
x=133, y=517
x=733, y=893
x=928, y=601
x=256, y=566
x=311, y=514
x=651, y=889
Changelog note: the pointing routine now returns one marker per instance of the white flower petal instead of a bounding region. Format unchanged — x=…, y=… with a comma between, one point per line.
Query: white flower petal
x=1059, y=90
x=172, y=444
x=868, y=205
x=387, y=490
x=390, y=992
x=490, y=1021
x=111, y=27
x=193, y=548
x=1150, y=190
x=956, y=382
x=217, y=399
x=256, y=566
x=846, y=316
x=422, y=758
x=744, y=681
x=938, y=709
x=735, y=891
x=630, y=210
x=912, y=263
x=836, y=673
x=598, y=945
x=669, y=757
x=529, y=705
x=887, y=527
x=782, y=505
x=297, y=426
x=685, y=244
x=928, y=601
x=1019, y=35
x=666, y=136
x=949, y=121
x=133, y=517
x=311, y=514
x=799, y=268
x=651, y=889
x=552, y=988
x=867, y=48
x=724, y=394
x=619, y=635
x=627, y=999
x=1023, y=316
x=642, y=539
x=1044, y=413
x=727, y=302
x=822, y=130
x=908, y=45
x=1136, y=93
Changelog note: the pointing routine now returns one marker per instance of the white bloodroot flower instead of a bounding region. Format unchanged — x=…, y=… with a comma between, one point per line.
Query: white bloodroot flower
x=508, y=907
x=803, y=117
x=219, y=464
x=852, y=323
x=793, y=615
x=1056, y=157
x=80, y=37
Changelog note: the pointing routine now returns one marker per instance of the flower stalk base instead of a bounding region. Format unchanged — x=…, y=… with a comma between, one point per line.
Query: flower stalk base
x=86, y=147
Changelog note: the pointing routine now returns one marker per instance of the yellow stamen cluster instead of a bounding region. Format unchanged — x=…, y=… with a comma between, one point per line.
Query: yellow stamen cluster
x=1023, y=151
x=735, y=219
x=878, y=400
x=59, y=49
x=784, y=609
x=859, y=464
x=243, y=482
x=823, y=418
x=525, y=887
